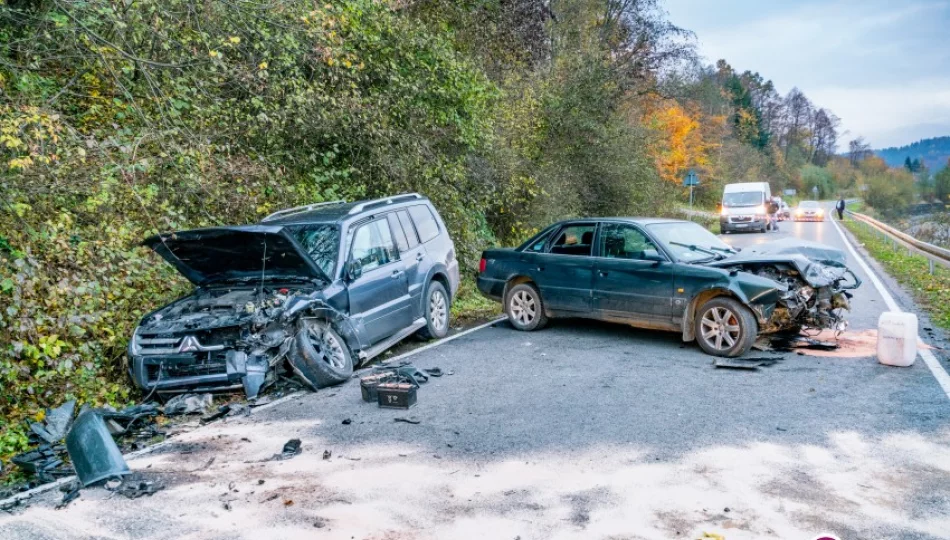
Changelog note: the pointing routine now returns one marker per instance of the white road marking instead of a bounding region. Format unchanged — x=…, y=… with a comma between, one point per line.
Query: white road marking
x=939, y=373
x=443, y=341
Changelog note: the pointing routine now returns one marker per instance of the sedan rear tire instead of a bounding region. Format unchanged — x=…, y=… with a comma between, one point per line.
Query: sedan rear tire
x=524, y=308
x=724, y=327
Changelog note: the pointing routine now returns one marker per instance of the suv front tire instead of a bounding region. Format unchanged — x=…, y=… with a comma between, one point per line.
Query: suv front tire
x=320, y=354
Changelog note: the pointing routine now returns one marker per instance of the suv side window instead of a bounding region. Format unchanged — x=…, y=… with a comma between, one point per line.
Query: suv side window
x=373, y=245
x=425, y=222
x=619, y=241
x=398, y=233
x=575, y=240
x=408, y=228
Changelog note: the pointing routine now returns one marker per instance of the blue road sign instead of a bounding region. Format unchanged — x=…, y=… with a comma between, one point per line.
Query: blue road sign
x=691, y=179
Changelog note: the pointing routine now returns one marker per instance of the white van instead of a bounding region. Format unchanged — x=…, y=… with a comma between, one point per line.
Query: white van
x=746, y=207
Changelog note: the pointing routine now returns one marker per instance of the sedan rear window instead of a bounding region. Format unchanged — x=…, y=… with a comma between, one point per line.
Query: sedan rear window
x=574, y=240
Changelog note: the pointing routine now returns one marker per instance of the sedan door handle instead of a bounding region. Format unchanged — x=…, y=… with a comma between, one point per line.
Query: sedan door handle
x=602, y=273
x=419, y=256
x=540, y=269
x=396, y=273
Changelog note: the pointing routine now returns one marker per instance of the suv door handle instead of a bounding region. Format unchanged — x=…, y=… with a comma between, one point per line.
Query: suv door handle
x=396, y=274
x=602, y=273
x=419, y=256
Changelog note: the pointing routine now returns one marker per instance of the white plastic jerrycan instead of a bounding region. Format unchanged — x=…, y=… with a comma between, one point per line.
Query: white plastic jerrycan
x=897, y=338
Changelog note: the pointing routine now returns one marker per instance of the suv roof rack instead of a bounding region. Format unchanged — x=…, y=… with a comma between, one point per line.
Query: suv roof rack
x=385, y=201
x=300, y=209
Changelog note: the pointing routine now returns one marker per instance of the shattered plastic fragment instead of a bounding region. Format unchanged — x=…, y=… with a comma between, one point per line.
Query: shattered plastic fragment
x=44, y=462
x=56, y=423
x=140, y=488
x=70, y=494
x=188, y=404
x=291, y=448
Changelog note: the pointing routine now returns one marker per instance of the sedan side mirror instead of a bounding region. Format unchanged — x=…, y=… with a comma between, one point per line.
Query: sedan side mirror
x=653, y=255
x=354, y=269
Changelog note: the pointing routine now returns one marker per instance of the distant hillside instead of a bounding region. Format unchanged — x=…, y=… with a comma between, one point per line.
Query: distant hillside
x=934, y=152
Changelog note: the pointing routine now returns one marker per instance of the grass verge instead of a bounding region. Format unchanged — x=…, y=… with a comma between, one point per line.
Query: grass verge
x=932, y=292
x=470, y=305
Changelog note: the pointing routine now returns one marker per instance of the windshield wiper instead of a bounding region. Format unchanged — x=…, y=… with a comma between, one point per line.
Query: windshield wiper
x=694, y=247
x=730, y=251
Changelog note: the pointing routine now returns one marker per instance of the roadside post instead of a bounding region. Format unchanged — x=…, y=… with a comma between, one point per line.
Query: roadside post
x=691, y=180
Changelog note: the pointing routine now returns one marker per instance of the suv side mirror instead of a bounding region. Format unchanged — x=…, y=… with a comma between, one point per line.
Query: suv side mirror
x=354, y=269
x=653, y=255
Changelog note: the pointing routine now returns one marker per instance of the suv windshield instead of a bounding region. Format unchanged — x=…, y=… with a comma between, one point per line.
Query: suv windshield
x=322, y=244
x=742, y=198
x=677, y=237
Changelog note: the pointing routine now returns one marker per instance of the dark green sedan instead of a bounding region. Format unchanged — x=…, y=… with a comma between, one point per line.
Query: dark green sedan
x=668, y=275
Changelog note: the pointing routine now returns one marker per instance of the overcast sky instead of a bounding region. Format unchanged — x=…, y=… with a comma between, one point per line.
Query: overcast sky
x=882, y=66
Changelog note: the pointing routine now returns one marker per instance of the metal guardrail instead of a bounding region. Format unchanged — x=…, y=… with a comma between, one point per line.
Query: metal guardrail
x=935, y=254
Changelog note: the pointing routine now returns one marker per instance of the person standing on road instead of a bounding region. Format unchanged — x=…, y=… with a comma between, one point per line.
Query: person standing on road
x=840, y=208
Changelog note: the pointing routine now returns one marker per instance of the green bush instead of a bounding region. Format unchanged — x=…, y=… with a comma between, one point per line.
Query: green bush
x=162, y=121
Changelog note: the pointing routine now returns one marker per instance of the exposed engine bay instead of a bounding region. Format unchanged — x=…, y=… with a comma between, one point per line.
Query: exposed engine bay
x=217, y=336
x=814, y=284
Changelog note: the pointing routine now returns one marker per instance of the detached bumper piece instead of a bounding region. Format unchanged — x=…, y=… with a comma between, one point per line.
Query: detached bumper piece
x=94, y=454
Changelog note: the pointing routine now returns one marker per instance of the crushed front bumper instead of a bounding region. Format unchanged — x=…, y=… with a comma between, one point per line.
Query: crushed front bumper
x=179, y=373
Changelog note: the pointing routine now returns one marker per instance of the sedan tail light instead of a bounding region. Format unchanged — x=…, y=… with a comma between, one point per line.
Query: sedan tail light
x=482, y=264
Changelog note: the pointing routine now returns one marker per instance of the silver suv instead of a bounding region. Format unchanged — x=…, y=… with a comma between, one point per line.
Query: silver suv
x=325, y=287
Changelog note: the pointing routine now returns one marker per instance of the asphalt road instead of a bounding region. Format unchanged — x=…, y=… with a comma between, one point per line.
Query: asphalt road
x=582, y=430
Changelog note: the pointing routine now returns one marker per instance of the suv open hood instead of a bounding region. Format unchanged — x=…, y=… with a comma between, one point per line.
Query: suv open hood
x=243, y=253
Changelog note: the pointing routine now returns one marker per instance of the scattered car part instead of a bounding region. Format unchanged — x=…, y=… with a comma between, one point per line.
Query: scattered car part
x=70, y=494
x=369, y=385
x=56, y=423
x=43, y=462
x=133, y=488
x=188, y=404
x=396, y=395
x=410, y=420
x=222, y=411
x=92, y=451
x=744, y=363
x=291, y=449
x=122, y=422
